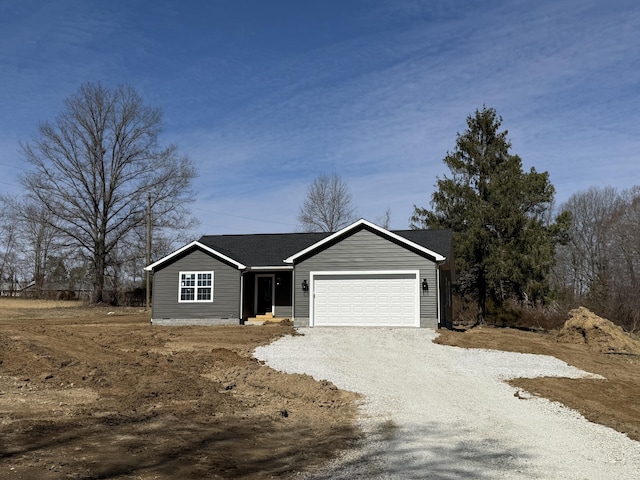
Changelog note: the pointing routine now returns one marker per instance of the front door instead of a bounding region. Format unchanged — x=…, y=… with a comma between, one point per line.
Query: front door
x=264, y=294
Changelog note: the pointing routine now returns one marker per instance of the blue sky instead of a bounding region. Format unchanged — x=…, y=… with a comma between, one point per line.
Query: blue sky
x=264, y=96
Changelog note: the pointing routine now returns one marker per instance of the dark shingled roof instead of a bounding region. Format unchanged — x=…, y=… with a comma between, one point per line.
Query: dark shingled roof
x=261, y=250
x=439, y=241
x=269, y=250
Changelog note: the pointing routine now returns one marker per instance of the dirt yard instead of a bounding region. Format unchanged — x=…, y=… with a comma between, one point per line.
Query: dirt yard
x=101, y=394
x=94, y=393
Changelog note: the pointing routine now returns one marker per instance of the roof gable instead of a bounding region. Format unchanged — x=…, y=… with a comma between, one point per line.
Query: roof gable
x=364, y=224
x=201, y=246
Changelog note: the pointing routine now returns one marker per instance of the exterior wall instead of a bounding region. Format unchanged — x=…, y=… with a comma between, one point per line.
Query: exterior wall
x=301, y=322
x=225, y=307
x=283, y=307
x=446, y=307
x=176, y=322
x=367, y=251
x=248, y=295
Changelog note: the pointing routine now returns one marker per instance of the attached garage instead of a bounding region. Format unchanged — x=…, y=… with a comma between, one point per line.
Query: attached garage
x=380, y=298
x=367, y=276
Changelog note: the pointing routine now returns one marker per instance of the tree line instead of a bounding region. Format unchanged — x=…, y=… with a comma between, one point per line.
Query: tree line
x=517, y=253
x=98, y=173
x=599, y=263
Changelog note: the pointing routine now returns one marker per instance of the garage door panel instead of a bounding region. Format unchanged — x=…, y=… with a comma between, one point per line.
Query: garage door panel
x=376, y=299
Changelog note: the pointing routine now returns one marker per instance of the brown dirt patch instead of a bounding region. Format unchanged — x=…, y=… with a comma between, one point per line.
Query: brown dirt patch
x=100, y=393
x=612, y=402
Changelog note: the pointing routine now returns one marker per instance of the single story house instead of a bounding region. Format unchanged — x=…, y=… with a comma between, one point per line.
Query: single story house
x=362, y=275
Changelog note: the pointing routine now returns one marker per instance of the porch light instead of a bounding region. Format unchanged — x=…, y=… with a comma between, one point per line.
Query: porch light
x=425, y=285
x=277, y=281
x=305, y=286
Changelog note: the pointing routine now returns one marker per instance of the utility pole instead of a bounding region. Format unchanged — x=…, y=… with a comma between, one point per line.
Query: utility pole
x=147, y=272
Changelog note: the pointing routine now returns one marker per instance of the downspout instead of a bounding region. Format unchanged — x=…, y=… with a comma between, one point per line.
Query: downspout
x=241, y=296
x=293, y=295
x=438, y=298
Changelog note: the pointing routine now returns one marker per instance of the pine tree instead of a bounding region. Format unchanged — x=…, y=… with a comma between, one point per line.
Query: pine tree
x=503, y=246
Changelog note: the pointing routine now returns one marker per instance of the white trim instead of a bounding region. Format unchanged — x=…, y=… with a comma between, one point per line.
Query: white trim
x=313, y=275
x=240, y=312
x=273, y=292
x=438, y=296
x=279, y=268
x=195, y=286
x=293, y=297
x=437, y=257
x=210, y=250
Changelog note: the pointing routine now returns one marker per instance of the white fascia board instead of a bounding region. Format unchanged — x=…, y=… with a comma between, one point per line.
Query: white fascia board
x=331, y=273
x=278, y=267
x=210, y=250
x=383, y=231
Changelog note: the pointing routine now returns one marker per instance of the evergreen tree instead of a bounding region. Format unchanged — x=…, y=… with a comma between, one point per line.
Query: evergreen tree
x=503, y=246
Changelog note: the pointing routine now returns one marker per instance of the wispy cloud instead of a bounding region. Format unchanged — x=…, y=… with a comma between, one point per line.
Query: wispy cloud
x=264, y=100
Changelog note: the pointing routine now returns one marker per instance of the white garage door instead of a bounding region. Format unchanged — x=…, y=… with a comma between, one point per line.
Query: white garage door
x=365, y=299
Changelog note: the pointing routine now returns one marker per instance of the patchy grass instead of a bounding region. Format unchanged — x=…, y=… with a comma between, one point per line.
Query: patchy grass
x=31, y=309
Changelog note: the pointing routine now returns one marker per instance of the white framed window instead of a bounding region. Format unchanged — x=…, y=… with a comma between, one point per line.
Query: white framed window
x=195, y=287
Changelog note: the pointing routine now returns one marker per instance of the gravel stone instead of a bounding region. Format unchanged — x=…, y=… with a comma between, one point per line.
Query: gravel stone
x=438, y=412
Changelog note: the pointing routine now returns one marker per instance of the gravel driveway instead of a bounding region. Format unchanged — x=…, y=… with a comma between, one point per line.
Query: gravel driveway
x=439, y=412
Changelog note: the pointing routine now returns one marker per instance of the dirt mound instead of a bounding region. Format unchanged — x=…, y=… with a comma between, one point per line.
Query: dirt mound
x=585, y=327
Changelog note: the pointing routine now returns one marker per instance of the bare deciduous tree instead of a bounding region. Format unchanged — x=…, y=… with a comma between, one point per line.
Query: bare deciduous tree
x=385, y=220
x=37, y=237
x=600, y=265
x=8, y=247
x=328, y=206
x=95, y=166
x=586, y=256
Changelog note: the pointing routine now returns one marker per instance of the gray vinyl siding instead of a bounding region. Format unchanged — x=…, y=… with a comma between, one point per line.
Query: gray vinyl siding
x=283, y=296
x=283, y=311
x=367, y=251
x=226, y=291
